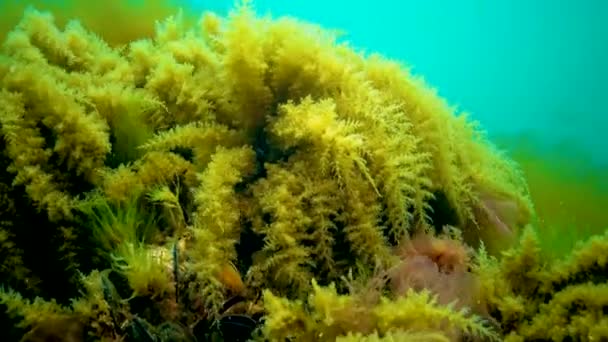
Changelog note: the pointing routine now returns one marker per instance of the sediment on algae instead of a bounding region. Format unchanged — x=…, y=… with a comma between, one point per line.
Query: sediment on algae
x=245, y=172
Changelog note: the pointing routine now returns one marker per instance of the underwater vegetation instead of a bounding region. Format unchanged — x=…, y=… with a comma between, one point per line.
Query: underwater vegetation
x=569, y=190
x=250, y=177
x=94, y=14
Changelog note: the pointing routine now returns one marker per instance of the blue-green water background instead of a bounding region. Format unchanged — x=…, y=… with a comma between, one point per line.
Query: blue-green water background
x=521, y=67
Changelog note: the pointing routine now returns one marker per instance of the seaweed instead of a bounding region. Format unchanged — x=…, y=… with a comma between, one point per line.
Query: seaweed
x=189, y=186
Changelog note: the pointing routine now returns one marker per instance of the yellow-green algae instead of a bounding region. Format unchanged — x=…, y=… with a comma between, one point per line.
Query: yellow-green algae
x=147, y=185
x=569, y=190
x=118, y=21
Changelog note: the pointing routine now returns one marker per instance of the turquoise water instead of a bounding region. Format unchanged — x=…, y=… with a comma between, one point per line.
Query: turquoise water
x=518, y=66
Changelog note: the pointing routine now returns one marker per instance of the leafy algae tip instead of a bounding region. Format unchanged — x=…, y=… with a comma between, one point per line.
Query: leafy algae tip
x=232, y=177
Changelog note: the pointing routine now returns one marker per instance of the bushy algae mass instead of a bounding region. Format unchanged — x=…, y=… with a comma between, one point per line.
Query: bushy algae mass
x=252, y=177
x=94, y=15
